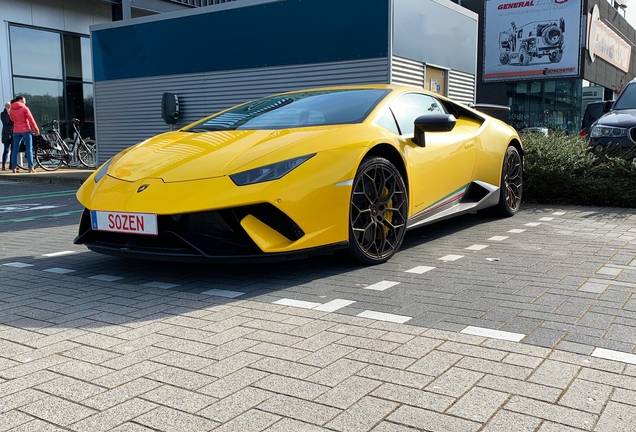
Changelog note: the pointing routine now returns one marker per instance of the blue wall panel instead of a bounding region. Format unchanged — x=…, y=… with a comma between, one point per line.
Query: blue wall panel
x=289, y=32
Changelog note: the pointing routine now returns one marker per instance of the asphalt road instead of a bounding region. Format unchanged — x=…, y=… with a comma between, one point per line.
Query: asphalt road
x=563, y=277
x=477, y=324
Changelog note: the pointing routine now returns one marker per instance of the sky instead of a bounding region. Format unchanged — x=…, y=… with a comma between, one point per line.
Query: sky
x=630, y=14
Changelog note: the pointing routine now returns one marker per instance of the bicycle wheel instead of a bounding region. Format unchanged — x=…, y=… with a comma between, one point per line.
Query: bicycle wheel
x=87, y=154
x=49, y=159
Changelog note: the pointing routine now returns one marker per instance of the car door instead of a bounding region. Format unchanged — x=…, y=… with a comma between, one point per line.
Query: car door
x=441, y=170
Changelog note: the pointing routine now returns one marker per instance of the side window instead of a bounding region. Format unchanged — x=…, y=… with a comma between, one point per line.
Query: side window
x=410, y=106
x=388, y=122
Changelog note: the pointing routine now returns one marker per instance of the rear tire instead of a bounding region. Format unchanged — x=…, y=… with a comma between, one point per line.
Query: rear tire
x=378, y=211
x=524, y=57
x=552, y=36
x=511, y=186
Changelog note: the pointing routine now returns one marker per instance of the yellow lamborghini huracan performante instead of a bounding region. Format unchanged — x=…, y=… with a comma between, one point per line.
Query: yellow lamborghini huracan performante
x=302, y=173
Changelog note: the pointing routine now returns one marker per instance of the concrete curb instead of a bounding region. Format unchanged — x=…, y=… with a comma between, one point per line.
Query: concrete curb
x=63, y=176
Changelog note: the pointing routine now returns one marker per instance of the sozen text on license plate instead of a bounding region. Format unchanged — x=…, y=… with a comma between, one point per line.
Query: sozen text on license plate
x=132, y=223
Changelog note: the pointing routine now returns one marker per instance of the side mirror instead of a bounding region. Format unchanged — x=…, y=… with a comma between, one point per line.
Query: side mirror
x=170, y=108
x=432, y=123
x=607, y=106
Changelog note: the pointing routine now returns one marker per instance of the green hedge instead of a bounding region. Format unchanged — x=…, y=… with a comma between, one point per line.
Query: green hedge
x=564, y=169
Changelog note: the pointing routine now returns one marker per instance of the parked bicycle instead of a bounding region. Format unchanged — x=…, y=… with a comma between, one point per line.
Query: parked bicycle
x=86, y=149
x=52, y=150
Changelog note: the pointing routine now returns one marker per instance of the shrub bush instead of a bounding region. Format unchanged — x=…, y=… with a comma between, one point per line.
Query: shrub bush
x=565, y=169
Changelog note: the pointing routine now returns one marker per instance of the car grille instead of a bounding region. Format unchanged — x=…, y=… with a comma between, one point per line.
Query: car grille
x=213, y=233
x=632, y=135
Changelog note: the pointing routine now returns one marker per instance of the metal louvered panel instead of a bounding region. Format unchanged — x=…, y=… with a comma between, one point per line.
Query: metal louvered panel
x=129, y=111
x=407, y=72
x=461, y=86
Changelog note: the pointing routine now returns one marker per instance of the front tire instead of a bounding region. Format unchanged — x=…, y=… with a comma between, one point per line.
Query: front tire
x=511, y=186
x=86, y=153
x=378, y=211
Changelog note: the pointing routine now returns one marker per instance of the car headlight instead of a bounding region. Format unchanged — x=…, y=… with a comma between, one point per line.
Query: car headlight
x=607, y=132
x=268, y=172
x=101, y=172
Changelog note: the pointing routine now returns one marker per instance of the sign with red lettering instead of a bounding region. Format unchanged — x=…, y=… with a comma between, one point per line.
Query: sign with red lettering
x=603, y=42
x=130, y=223
x=531, y=39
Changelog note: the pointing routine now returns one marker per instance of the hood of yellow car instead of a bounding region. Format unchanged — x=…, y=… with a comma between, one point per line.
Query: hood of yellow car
x=183, y=156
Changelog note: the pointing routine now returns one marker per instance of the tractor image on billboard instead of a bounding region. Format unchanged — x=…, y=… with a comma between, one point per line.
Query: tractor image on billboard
x=535, y=39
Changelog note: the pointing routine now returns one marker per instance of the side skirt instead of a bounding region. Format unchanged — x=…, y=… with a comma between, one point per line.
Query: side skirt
x=477, y=196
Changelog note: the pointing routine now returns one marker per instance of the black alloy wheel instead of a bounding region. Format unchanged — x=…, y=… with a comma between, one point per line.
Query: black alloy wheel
x=510, y=191
x=378, y=211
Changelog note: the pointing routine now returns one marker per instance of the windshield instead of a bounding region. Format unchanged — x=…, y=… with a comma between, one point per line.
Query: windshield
x=627, y=99
x=311, y=108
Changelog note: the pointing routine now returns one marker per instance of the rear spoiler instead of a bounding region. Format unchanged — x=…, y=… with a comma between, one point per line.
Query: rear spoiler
x=483, y=106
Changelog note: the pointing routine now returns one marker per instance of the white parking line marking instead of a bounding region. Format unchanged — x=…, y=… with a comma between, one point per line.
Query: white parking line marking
x=56, y=254
x=296, y=303
x=558, y=213
x=381, y=316
x=451, y=257
x=609, y=271
x=533, y=224
x=223, y=293
x=334, y=305
x=160, y=285
x=18, y=264
x=546, y=219
x=498, y=238
x=594, y=287
x=59, y=270
x=381, y=286
x=516, y=231
x=614, y=355
x=495, y=334
x=420, y=269
x=106, y=278
x=477, y=247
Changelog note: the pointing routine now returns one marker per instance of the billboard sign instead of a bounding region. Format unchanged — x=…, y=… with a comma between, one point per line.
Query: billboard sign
x=531, y=39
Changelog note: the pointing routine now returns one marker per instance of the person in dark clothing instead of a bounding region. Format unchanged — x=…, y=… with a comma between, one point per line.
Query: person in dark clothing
x=7, y=134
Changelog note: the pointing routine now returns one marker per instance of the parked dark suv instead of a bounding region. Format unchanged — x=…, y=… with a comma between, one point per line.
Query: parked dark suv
x=617, y=127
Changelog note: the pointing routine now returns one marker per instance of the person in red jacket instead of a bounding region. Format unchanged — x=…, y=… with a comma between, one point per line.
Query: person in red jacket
x=23, y=123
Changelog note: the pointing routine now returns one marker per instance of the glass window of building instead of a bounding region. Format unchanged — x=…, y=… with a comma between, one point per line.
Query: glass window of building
x=554, y=104
x=53, y=71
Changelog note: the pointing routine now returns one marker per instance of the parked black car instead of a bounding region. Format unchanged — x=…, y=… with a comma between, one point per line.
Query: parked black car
x=593, y=111
x=617, y=127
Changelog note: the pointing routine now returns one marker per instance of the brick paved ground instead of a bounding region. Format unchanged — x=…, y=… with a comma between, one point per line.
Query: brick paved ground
x=150, y=351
